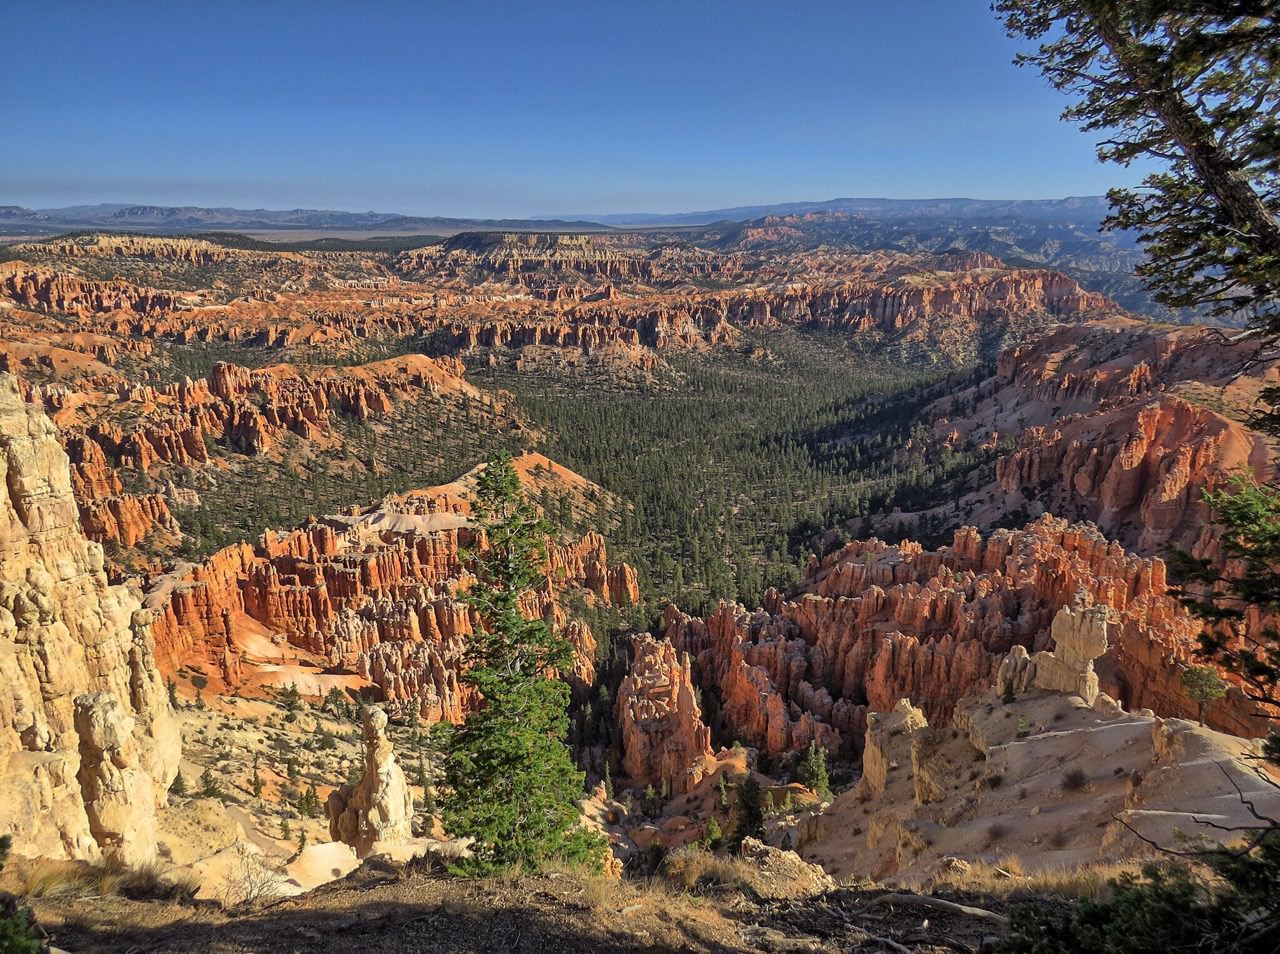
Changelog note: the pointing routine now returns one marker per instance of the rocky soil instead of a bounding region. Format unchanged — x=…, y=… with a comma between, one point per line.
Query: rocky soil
x=384, y=908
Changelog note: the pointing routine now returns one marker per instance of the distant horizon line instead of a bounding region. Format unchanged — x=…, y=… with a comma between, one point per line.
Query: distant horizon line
x=794, y=206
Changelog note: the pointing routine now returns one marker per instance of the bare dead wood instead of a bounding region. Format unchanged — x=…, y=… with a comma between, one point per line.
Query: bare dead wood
x=938, y=904
x=887, y=942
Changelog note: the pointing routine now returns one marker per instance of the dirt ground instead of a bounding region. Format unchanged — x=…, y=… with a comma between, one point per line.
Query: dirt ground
x=384, y=909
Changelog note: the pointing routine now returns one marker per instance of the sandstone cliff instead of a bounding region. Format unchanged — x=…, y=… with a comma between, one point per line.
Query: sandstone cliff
x=88, y=744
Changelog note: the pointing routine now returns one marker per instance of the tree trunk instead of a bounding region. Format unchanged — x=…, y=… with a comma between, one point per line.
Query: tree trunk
x=1221, y=175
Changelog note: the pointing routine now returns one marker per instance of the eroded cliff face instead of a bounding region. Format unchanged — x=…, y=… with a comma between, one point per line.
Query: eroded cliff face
x=930, y=800
x=110, y=427
x=664, y=741
x=1120, y=423
x=872, y=623
x=88, y=743
x=43, y=290
x=249, y=410
x=625, y=293
x=375, y=594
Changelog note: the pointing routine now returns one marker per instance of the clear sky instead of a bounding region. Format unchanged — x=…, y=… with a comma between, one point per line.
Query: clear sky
x=496, y=108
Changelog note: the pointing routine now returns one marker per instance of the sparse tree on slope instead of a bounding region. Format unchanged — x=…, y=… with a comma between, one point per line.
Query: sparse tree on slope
x=1203, y=684
x=511, y=782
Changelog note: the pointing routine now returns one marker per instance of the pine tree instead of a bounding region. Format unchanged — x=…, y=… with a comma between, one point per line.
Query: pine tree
x=1203, y=684
x=512, y=784
x=812, y=771
x=172, y=687
x=255, y=781
x=714, y=833
x=210, y=787
x=336, y=702
x=309, y=803
x=17, y=934
x=178, y=786
x=291, y=698
x=749, y=810
x=1194, y=85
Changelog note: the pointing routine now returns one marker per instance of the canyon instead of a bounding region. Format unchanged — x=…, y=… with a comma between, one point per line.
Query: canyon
x=241, y=534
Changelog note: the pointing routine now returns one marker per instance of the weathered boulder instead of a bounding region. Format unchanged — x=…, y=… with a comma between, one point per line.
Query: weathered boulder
x=1080, y=637
x=115, y=788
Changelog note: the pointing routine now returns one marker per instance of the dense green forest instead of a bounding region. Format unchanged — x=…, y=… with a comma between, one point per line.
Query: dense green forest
x=730, y=471
x=724, y=468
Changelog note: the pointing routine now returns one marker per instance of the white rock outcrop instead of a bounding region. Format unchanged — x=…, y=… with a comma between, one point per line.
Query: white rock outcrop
x=1080, y=637
x=377, y=811
x=66, y=634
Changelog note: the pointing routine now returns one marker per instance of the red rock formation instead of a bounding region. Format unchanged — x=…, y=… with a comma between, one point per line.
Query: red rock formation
x=43, y=290
x=873, y=623
x=127, y=519
x=374, y=594
x=249, y=410
x=193, y=608
x=1119, y=422
x=664, y=740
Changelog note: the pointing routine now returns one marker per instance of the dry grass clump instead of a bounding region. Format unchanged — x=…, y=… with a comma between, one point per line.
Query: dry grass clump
x=599, y=891
x=78, y=879
x=698, y=871
x=1008, y=879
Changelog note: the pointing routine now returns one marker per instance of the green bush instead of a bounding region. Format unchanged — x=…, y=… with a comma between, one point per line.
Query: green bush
x=17, y=933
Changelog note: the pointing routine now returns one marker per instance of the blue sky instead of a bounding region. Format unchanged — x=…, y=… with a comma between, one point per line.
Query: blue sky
x=511, y=109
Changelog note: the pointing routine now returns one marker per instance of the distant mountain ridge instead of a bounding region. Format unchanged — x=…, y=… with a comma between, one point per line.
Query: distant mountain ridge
x=160, y=218
x=1071, y=208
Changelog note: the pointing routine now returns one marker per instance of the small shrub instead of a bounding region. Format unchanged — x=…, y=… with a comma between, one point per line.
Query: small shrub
x=1074, y=780
x=997, y=833
x=252, y=881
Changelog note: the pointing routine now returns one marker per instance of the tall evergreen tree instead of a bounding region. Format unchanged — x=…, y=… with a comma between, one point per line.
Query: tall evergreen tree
x=1194, y=84
x=748, y=811
x=511, y=783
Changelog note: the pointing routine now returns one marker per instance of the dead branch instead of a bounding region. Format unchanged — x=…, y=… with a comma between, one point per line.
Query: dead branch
x=925, y=901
